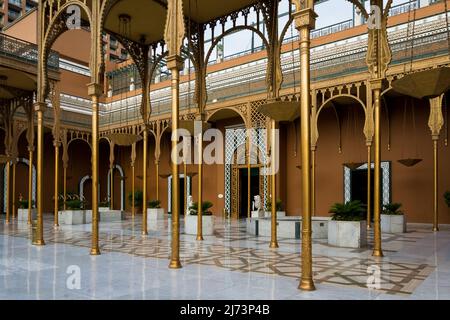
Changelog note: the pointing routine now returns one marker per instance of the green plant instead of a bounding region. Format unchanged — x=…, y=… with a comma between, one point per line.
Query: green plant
x=23, y=204
x=392, y=209
x=447, y=198
x=279, y=205
x=349, y=211
x=74, y=204
x=154, y=204
x=138, y=198
x=206, y=205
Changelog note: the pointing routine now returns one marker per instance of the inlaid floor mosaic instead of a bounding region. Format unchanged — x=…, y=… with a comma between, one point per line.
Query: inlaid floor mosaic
x=231, y=248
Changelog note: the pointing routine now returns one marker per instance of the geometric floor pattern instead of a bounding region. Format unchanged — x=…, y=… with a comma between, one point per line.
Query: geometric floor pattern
x=231, y=248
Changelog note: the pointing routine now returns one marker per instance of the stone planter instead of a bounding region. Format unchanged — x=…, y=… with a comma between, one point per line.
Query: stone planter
x=190, y=225
x=258, y=214
x=73, y=217
x=348, y=234
x=111, y=215
x=393, y=223
x=280, y=214
x=22, y=214
x=155, y=214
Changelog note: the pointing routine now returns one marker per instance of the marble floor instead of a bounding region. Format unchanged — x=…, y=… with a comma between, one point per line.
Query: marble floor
x=228, y=265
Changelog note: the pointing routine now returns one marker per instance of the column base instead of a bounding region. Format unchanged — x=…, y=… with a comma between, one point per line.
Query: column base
x=377, y=253
x=95, y=252
x=435, y=229
x=175, y=264
x=369, y=227
x=144, y=233
x=39, y=243
x=307, y=285
x=273, y=245
x=200, y=238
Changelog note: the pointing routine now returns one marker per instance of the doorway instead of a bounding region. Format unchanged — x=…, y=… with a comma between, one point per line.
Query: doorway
x=243, y=184
x=358, y=186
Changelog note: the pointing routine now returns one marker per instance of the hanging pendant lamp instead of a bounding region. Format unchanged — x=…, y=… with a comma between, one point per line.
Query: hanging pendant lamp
x=424, y=84
x=409, y=162
x=280, y=111
x=123, y=139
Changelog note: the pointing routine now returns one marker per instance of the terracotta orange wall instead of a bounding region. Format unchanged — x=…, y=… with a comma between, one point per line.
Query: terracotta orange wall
x=74, y=84
x=412, y=186
x=25, y=29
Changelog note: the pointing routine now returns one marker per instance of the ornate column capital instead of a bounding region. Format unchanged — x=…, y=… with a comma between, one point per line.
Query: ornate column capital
x=436, y=119
x=95, y=89
x=305, y=18
x=40, y=106
x=175, y=62
x=376, y=84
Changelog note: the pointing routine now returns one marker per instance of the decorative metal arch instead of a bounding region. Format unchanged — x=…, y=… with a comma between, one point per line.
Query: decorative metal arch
x=122, y=185
x=26, y=162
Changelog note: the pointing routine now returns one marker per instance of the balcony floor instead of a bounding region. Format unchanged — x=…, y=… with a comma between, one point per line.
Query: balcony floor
x=228, y=265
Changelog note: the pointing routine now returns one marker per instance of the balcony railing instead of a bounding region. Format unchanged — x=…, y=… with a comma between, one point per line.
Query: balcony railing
x=404, y=7
x=25, y=51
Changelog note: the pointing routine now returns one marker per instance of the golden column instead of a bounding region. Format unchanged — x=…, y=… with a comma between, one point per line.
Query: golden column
x=30, y=182
x=8, y=192
x=56, y=144
x=369, y=184
x=175, y=64
x=144, y=182
x=133, y=177
x=111, y=190
x=64, y=186
x=173, y=35
x=376, y=86
x=40, y=107
x=111, y=175
x=249, y=171
x=435, y=123
x=14, y=188
x=157, y=178
x=95, y=90
x=200, y=185
x=313, y=180
x=305, y=21
x=273, y=176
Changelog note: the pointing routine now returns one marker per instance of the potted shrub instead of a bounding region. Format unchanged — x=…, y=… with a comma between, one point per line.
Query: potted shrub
x=279, y=206
x=190, y=220
x=138, y=200
x=392, y=218
x=347, y=227
x=22, y=211
x=447, y=198
x=75, y=212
